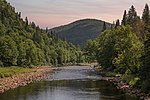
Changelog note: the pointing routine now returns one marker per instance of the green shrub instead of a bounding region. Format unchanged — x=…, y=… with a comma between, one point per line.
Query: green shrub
x=131, y=79
x=134, y=81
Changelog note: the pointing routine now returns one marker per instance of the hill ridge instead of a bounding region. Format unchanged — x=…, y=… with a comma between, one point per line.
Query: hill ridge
x=79, y=31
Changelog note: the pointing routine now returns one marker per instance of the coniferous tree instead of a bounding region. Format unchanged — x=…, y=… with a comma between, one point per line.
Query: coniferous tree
x=26, y=21
x=46, y=29
x=124, y=20
x=147, y=59
x=33, y=25
x=104, y=26
x=145, y=72
x=146, y=20
x=117, y=23
x=19, y=14
x=146, y=15
x=131, y=14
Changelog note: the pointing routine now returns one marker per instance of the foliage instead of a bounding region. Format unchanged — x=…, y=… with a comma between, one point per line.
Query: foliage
x=90, y=50
x=126, y=49
x=8, y=51
x=80, y=31
x=131, y=79
x=119, y=49
x=124, y=20
x=145, y=71
x=22, y=43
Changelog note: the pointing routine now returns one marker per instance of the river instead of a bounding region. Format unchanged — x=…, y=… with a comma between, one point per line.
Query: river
x=69, y=83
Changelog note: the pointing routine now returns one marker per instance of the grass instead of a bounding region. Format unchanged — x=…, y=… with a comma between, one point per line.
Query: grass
x=9, y=71
x=83, y=64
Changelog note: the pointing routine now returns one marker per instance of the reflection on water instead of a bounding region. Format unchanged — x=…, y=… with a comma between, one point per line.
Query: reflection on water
x=72, y=83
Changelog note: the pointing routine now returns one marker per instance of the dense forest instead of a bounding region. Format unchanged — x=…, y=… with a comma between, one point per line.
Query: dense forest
x=22, y=43
x=125, y=49
x=80, y=31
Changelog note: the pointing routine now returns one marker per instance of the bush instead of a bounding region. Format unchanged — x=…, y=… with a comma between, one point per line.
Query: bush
x=146, y=85
x=134, y=81
x=131, y=79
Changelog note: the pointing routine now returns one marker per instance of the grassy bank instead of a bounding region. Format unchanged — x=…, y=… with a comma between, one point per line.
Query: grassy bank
x=9, y=71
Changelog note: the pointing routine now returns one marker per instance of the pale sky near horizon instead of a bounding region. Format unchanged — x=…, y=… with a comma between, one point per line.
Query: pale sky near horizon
x=51, y=13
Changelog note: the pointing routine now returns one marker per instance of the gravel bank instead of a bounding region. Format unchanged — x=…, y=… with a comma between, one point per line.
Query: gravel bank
x=15, y=81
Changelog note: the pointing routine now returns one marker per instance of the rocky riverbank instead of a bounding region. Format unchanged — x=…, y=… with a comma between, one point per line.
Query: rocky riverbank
x=127, y=88
x=15, y=81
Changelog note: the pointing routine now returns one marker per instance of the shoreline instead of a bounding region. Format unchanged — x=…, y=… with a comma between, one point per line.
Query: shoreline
x=17, y=80
x=118, y=82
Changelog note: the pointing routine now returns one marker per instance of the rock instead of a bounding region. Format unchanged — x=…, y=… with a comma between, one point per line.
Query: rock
x=23, y=79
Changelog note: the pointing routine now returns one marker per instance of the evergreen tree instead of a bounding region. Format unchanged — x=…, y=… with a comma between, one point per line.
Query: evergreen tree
x=145, y=72
x=146, y=15
x=104, y=27
x=146, y=20
x=146, y=68
x=117, y=23
x=46, y=29
x=19, y=14
x=124, y=20
x=131, y=14
x=26, y=22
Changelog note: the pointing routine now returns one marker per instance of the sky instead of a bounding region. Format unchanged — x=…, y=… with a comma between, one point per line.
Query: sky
x=52, y=13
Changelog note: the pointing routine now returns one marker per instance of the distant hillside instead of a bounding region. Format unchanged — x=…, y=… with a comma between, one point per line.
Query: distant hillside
x=80, y=31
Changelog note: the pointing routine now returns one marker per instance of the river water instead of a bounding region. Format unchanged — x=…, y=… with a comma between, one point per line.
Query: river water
x=69, y=83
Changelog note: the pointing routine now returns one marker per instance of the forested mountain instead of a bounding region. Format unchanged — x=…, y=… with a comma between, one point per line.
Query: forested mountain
x=80, y=31
x=125, y=49
x=22, y=43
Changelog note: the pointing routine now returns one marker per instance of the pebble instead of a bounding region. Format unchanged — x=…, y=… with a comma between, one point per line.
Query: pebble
x=23, y=79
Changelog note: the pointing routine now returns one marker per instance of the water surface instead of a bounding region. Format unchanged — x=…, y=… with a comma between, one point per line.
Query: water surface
x=69, y=83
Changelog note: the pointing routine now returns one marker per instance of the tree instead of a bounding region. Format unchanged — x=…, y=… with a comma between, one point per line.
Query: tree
x=105, y=49
x=146, y=15
x=26, y=21
x=146, y=68
x=119, y=49
x=138, y=28
x=22, y=61
x=124, y=20
x=104, y=27
x=128, y=50
x=131, y=14
x=117, y=23
x=31, y=53
x=146, y=20
x=90, y=50
x=19, y=14
x=33, y=44
x=46, y=30
x=8, y=51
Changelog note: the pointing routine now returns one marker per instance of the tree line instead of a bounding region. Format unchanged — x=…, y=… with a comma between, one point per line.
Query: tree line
x=125, y=49
x=22, y=43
